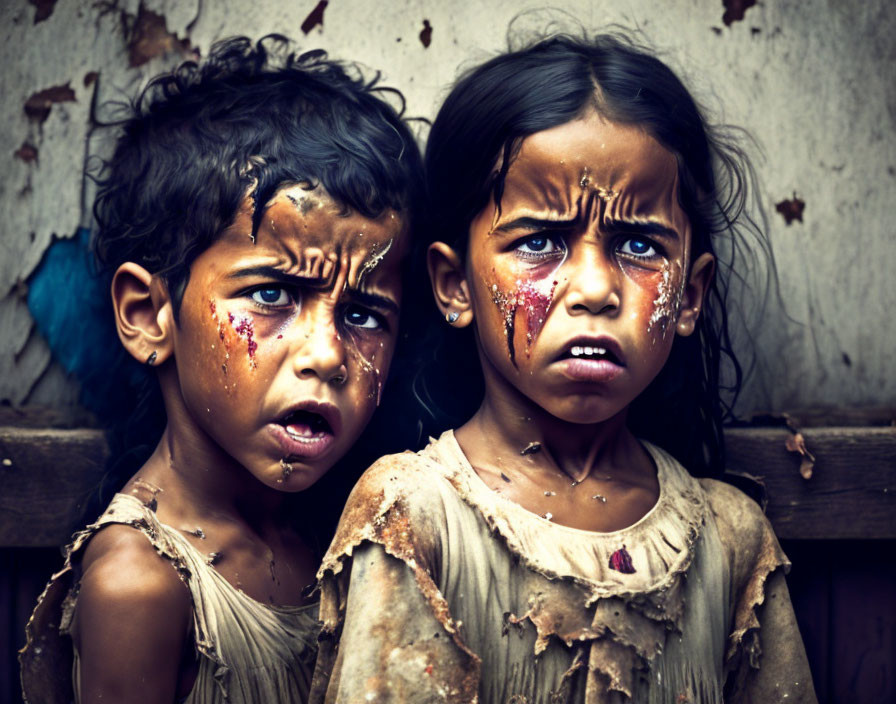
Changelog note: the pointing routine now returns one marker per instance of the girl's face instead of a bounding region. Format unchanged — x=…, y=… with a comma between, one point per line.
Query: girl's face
x=580, y=281
x=283, y=343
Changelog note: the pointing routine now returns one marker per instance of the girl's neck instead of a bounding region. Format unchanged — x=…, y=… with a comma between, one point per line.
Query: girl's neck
x=518, y=428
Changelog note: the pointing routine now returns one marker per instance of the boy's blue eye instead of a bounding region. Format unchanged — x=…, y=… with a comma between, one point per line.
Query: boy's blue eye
x=272, y=296
x=539, y=244
x=358, y=317
x=638, y=248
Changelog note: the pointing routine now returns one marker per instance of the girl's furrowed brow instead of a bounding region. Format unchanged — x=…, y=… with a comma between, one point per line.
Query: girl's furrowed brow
x=641, y=228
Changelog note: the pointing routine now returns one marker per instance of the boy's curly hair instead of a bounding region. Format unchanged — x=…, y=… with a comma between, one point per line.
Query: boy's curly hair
x=196, y=140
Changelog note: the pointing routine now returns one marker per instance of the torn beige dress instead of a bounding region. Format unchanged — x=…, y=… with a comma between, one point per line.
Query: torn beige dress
x=248, y=652
x=438, y=589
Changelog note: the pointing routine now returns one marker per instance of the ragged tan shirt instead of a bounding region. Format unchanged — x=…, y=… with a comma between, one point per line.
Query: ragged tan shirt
x=437, y=589
x=248, y=652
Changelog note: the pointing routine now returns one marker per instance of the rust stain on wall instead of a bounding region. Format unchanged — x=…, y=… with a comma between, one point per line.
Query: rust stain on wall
x=426, y=34
x=38, y=106
x=735, y=10
x=44, y=9
x=149, y=37
x=791, y=209
x=27, y=153
x=315, y=17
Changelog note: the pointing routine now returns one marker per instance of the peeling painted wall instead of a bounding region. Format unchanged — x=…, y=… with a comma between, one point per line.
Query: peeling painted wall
x=812, y=81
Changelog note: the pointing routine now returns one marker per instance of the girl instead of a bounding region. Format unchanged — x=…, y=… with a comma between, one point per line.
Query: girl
x=549, y=549
x=255, y=215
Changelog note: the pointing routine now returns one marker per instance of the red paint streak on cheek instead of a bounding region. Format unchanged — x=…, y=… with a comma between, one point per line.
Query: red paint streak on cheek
x=536, y=300
x=245, y=328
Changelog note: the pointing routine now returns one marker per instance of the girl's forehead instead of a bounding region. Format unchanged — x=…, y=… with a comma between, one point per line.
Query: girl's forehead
x=565, y=170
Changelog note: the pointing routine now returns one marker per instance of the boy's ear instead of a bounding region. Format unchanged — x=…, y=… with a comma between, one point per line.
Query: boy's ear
x=700, y=277
x=143, y=314
x=449, y=284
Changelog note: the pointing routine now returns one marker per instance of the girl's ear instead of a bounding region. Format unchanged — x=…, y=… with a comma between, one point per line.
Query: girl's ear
x=699, y=279
x=449, y=284
x=143, y=314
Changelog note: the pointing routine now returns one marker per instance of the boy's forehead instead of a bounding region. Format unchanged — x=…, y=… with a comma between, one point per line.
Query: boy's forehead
x=302, y=226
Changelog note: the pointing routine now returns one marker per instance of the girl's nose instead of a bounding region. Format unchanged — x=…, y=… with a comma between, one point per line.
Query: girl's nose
x=593, y=282
x=321, y=353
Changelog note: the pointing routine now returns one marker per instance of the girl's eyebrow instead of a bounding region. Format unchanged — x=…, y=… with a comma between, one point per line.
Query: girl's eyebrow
x=269, y=272
x=640, y=228
x=530, y=223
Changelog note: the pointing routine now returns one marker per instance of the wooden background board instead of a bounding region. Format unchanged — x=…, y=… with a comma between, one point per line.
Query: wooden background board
x=851, y=495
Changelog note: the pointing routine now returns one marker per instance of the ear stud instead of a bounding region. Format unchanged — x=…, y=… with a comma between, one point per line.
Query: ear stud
x=153, y=356
x=452, y=317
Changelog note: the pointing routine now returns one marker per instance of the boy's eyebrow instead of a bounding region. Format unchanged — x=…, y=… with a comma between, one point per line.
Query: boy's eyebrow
x=270, y=272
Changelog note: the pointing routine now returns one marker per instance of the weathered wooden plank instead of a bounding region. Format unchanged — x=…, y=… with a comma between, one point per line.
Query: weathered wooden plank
x=852, y=491
x=45, y=477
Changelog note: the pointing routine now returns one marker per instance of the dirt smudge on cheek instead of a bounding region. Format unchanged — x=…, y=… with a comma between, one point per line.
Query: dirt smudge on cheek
x=371, y=371
x=507, y=305
x=222, y=335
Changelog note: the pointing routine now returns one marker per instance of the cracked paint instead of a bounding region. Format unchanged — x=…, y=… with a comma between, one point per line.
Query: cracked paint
x=791, y=209
x=38, y=106
x=735, y=10
x=149, y=37
x=426, y=34
x=315, y=18
x=43, y=9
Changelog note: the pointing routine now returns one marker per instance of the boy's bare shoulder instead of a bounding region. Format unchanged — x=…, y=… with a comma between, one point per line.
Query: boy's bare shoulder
x=120, y=566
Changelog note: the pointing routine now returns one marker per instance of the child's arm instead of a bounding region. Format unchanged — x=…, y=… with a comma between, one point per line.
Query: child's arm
x=765, y=658
x=387, y=630
x=131, y=621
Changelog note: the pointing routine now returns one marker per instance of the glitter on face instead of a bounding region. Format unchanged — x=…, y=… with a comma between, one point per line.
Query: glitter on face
x=376, y=256
x=667, y=302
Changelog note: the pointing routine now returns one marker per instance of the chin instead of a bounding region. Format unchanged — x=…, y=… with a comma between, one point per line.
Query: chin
x=585, y=413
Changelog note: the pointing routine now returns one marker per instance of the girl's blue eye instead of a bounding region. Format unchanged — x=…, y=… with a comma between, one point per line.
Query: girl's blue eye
x=639, y=248
x=539, y=245
x=358, y=317
x=272, y=296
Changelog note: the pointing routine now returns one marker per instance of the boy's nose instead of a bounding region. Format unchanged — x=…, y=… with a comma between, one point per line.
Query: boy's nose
x=593, y=282
x=321, y=353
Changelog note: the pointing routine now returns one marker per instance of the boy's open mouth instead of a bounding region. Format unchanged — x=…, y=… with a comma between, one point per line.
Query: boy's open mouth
x=303, y=425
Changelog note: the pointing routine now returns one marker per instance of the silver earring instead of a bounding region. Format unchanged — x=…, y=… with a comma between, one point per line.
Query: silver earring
x=153, y=356
x=452, y=317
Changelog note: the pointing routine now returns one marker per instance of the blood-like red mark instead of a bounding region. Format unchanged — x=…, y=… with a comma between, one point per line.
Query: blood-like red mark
x=426, y=34
x=791, y=209
x=38, y=106
x=245, y=328
x=621, y=561
x=535, y=302
x=315, y=17
x=735, y=10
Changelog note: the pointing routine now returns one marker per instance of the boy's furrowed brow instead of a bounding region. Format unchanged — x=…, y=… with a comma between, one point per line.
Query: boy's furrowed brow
x=373, y=300
x=531, y=224
x=272, y=272
x=640, y=228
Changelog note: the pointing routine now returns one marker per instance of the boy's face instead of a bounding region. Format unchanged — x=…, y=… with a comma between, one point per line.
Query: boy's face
x=283, y=345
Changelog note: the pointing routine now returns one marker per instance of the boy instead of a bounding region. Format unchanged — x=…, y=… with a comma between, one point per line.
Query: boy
x=255, y=218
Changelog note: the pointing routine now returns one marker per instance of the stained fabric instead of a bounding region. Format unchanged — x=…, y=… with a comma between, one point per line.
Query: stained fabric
x=249, y=652
x=436, y=588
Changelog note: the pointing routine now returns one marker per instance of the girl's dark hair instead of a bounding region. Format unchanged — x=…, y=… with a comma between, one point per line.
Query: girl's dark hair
x=478, y=133
x=251, y=118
